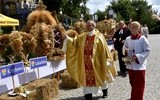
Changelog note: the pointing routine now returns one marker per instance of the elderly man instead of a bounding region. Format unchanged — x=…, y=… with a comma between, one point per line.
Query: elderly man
x=86, y=58
x=120, y=35
x=136, y=47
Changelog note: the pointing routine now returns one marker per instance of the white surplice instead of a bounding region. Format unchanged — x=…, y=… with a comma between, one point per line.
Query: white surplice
x=140, y=48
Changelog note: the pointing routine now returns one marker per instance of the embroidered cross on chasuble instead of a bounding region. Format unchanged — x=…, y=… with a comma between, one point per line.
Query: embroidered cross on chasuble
x=88, y=51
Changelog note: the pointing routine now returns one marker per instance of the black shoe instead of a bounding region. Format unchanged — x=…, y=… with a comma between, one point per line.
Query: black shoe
x=88, y=96
x=124, y=75
x=105, y=93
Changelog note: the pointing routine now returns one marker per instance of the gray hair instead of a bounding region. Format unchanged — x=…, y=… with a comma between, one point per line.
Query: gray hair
x=92, y=22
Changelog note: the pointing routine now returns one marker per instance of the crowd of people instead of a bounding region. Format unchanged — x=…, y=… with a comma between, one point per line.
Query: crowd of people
x=18, y=8
x=89, y=61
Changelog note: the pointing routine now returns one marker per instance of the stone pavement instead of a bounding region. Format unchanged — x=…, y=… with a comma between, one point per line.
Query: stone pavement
x=120, y=88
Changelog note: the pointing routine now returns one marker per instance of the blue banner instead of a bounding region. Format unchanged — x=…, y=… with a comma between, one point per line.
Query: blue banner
x=11, y=69
x=38, y=62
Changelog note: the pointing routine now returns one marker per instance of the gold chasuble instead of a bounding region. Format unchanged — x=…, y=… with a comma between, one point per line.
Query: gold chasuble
x=86, y=60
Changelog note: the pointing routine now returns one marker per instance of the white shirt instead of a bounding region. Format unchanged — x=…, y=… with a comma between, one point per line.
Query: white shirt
x=91, y=32
x=95, y=90
x=121, y=31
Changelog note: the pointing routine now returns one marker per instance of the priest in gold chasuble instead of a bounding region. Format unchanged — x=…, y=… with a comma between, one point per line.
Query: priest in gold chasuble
x=89, y=61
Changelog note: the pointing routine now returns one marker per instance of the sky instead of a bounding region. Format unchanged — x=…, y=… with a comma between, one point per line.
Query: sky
x=95, y=5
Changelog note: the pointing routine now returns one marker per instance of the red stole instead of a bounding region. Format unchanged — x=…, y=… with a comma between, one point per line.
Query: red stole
x=88, y=52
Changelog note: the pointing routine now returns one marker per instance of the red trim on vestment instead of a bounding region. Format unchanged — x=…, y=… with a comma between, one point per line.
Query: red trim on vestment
x=88, y=51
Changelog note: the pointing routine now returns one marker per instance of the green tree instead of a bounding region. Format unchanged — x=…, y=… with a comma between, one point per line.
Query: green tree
x=138, y=10
x=133, y=9
x=123, y=9
x=101, y=15
x=143, y=12
x=75, y=8
x=53, y=5
x=71, y=9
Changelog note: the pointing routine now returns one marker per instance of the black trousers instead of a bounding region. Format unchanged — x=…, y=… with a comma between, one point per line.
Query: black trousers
x=121, y=63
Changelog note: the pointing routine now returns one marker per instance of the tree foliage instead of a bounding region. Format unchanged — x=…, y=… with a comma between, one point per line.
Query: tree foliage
x=101, y=15
x=143, y=12
x=53, y=5
x=135, y=10
x=70, y=8
x=126, y=10
x=74, y=8
x=123, y=9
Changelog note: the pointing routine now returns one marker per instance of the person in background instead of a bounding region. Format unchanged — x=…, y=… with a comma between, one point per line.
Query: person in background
x=7, y=9
x=145, y=31
x=129, y=25
x=25, y=9
x=89, y=61
x=18, y=9
x=118, y=38
x=137, y=48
